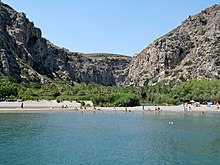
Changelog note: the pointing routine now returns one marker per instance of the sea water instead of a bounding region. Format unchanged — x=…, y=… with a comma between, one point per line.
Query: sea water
x=109, y=138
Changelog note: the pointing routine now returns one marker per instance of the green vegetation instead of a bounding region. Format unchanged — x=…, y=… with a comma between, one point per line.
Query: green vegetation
x=8, y=89
x=198, y=90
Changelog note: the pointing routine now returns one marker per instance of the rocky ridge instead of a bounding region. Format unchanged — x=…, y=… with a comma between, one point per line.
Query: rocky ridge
x=191, y=51
x=27, y=56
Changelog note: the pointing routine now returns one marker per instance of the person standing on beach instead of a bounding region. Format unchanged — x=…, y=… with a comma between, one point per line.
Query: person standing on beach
x=22, y=105
x=217, y=105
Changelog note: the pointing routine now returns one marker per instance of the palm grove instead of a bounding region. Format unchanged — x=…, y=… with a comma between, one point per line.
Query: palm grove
x=198, y=90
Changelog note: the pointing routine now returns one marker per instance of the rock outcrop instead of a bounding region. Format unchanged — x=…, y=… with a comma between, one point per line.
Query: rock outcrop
x=27, y=56
x=191, y=51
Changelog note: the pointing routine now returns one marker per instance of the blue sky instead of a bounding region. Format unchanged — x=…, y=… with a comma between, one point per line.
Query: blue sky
x=113, y=26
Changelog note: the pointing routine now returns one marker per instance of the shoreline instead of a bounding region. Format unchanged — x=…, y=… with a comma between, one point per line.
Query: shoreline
x=68, y=106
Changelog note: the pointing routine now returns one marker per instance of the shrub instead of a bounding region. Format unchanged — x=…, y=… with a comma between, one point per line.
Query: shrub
x=83, y=103
x=127, y=100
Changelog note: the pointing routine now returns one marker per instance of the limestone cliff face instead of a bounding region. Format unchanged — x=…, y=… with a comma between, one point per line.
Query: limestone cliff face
x=191, y=51
x=27, y=56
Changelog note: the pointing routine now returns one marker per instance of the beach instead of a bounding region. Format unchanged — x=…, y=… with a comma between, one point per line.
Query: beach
x=54, y=106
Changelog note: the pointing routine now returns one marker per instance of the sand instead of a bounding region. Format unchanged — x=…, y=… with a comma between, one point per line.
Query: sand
x=42, y=105
x=53, y=106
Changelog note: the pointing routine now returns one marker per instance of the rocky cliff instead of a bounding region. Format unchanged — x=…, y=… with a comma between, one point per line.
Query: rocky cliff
x=27, y=56
x=191, y=51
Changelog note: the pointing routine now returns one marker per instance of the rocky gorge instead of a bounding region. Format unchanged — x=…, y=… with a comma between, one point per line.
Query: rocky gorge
x=191, y=51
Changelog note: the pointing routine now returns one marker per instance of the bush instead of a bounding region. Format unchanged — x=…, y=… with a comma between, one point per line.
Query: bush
x=8, y=89
x=99, y=101
x=127, y=100
x=83, y=103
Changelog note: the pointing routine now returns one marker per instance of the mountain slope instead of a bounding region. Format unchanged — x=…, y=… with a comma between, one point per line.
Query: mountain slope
x=191, y=51
x=27, y=56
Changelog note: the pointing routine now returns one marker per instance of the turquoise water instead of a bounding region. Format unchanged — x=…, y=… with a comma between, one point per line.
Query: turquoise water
x=109, y=138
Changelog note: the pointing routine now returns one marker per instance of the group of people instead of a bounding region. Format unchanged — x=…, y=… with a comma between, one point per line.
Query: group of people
x=64, y=106
x=157, y=108
x=187, y=106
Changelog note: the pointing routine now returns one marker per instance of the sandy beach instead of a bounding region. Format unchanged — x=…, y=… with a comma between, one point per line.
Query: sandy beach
x=54, y=106
x=42, y=105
